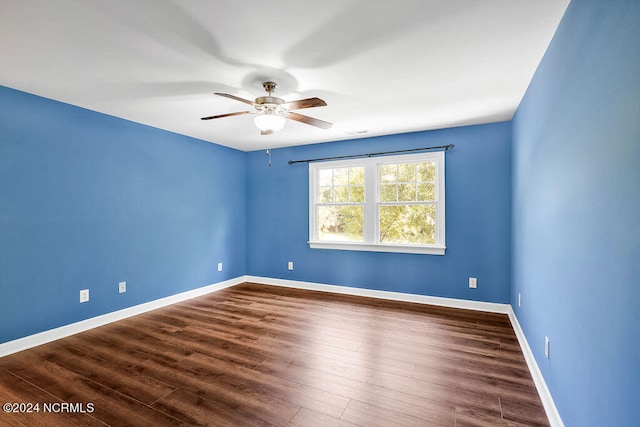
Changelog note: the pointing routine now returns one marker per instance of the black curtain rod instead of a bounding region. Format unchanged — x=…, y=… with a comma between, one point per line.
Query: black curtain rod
x=382, y=153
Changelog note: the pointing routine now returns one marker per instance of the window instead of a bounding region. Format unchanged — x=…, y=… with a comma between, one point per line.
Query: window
x=388, y=204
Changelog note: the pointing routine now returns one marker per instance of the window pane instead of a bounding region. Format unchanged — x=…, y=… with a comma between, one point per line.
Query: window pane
x=406, y=172
x=356, y=176
x=412, y=224
x=324, y=195
x=406, y=192
x=426, y=192
x=340, y=194
x=341, y=176
x=341, y=223
x=325, y=177
x=388, y=193
x=427, y=171
x=388, y=173
x=357, y=194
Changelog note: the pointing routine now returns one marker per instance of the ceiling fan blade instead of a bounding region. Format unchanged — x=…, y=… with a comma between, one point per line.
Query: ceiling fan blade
x=239, y=113
x=237, y=98
x=309, y=120
x=305, y=103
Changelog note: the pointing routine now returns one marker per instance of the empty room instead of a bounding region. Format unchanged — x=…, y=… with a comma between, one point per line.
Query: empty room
x=304, y=213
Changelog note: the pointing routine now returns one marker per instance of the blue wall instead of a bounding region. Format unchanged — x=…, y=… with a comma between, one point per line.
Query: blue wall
x=576, y=210
x=88, y=200
x=478, y=209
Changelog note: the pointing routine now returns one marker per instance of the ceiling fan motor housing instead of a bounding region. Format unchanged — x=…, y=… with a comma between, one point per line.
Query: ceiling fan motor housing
x=269, y=100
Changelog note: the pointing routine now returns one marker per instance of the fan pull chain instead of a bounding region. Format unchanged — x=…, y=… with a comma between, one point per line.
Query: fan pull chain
x=269, y=156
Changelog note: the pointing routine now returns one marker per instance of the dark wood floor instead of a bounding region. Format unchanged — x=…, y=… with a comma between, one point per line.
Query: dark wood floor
x=262, y=355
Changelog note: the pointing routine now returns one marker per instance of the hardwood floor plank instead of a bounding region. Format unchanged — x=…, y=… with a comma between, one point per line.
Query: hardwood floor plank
x=8, y=421
x=249, y=391
x=526, y=412
x=364, y=414
x=441, y=412
x=281, y=388
x=306, y=417
x=88, y=365
x=196, y=410
x=361, y=369
x=126, y=334
x=418, y=354
x=208, y=381
x=36, y=370
x=452, y=392
x=123, y=356
x=474, y=417
x=225, y=346
x=112, y=407
x=443, y=372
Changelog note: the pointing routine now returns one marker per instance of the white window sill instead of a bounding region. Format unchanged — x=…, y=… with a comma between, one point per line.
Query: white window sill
x=407, y=249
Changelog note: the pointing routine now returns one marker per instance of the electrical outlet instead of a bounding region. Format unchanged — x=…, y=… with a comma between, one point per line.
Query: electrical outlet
x=219, y=266
x=519, y=299
x=122, y=287
x=290, y=265
x=473, y=282
x=547, y=344
x=84, y=295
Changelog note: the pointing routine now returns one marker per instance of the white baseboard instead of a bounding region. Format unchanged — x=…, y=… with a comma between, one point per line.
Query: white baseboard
x=534, y=369
x=20, y=344
x=394, y=296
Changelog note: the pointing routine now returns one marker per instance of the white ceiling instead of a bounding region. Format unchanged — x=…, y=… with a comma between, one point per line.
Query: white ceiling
x=383, y=67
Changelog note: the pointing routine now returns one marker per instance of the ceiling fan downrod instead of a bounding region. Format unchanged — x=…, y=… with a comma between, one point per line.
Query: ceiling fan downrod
x=270, y=87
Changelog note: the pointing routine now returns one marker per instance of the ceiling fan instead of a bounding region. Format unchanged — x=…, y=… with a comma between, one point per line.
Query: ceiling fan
x=272, y=111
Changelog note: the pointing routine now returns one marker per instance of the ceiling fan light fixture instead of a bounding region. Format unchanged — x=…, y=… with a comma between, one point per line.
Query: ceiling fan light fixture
x=269, y=122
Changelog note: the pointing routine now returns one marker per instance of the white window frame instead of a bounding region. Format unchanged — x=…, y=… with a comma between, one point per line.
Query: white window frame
x=371, y=190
